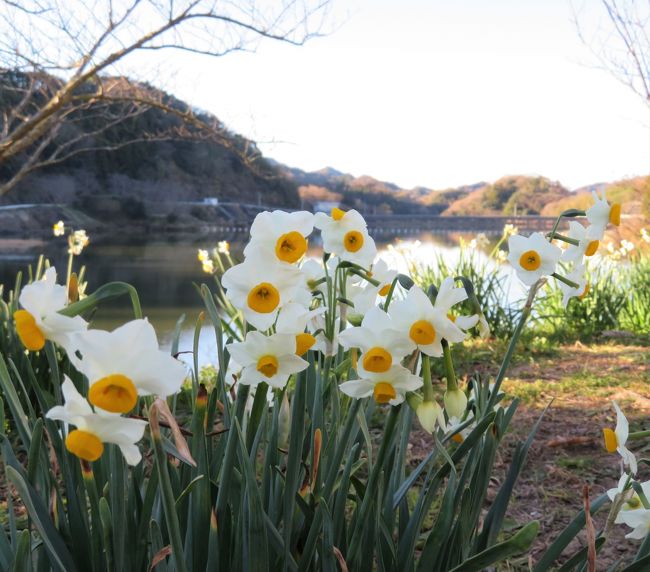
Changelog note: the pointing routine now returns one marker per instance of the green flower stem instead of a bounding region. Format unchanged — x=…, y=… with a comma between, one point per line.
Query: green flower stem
x=427, y=388
x=571, y=212
x=525, y=314
x=229, y=456
x=565, y=280
x=98, y=537
x=259, y=403
x=370, y=495
x=389, y=296
x=639, y=434
x=332, y=286
x=69, y=272
x=364, y=276
x=106, y=291
x=168, y=501
x=638, y=489
x=563, y=238
x=452, y=384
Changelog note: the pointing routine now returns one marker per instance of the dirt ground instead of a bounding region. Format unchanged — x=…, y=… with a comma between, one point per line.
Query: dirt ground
x=568, y=450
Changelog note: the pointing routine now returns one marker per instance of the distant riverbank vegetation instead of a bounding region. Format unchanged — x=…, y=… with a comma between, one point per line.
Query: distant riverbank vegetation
x=617, y=307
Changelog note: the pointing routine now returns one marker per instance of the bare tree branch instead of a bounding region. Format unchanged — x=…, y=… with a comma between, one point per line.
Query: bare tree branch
x=622, y=44
x=67, y=53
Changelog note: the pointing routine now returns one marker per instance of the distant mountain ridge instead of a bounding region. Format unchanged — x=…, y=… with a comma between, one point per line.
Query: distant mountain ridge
x=509, y=195
x=182, y=184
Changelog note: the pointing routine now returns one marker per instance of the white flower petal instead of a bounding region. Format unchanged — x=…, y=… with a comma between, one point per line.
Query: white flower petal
x=357, y=388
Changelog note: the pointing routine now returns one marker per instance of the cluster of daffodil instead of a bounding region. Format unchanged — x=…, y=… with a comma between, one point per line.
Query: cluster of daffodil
x=536, y=256
x=293, y=305
x=296, y=305
x=630, y=503
x=625, y=248
x=119, y=366
x=211, y=261
x=77, y=239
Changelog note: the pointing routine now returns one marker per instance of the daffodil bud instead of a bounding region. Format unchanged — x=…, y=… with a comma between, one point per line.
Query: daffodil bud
x=284, y=422
x=455, y=402
x=429, y=412
x=355, y=319
x=483, y=326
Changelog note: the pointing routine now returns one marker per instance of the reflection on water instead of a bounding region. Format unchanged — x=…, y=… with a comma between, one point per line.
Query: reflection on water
x=164, y=270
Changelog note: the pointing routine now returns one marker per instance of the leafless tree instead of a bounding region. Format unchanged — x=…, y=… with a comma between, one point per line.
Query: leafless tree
x=619, y=37
x=59, y=66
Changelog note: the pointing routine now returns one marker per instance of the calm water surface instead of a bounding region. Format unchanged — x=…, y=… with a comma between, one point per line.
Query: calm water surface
x=164, y=271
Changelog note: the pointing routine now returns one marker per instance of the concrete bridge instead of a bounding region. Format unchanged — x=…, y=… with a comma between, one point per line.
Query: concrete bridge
x=414, y=224
x=411, y=225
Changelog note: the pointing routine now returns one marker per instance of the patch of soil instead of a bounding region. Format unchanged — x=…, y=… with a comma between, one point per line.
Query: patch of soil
x=568, y=450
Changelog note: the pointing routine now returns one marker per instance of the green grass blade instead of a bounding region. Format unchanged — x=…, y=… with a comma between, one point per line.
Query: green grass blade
x=56, y=548
x=494, y=518
x=22, y=560
x=277, y=543
x=580, y=557
x=292, y=475
x=106, y=521
x=256, y=525
x=34, y=451
x=6, y=551
x=567, y=535
x=516, y=544
x=440, y=531
x=642, y=565
x=13, y=402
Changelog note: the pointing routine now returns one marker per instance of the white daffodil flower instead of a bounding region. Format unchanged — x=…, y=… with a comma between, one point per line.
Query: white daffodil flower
x=532, y=257
x=58, y=228
x=639, y=520
x=125, y=363
x=425, y=324
x=77, y=241
x=615, y=439
x=39, y=320
x=363, y=294
x=483, y=326
x=587, y=243
x=578, y=276
x=601, y=213
x=456, y=422
x=259, y=287
x=381, y=343
x=280, y=235
x=313, y=272
x=293, y=319
x=384, y=275
x=95, y=429
x=450, y=295
x=465, y=322
x=632, y=501
x=389, y=386
x=346, y=235
x=271, y=359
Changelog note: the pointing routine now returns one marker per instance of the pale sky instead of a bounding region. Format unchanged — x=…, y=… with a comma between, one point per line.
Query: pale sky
x=435, y=93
